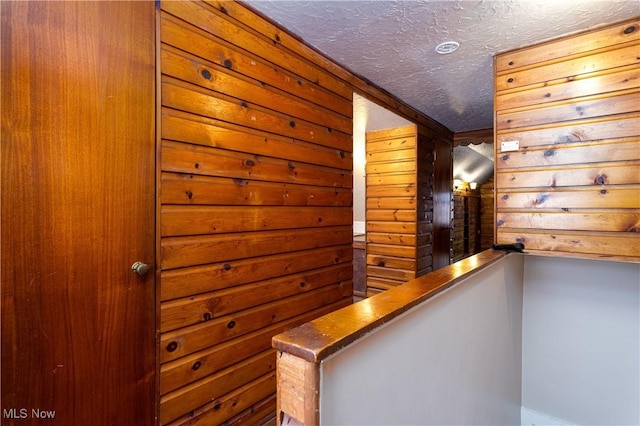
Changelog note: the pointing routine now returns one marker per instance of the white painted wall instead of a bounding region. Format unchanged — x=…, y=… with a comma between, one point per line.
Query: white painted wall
x=454, y=360
x=581, y=340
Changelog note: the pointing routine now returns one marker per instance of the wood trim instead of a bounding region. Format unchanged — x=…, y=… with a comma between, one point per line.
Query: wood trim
x=316, y=340
x=298, y=383
x=474, y=137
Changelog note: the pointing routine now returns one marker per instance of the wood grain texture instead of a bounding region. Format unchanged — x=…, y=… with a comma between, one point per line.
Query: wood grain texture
x=573, y=186
x=256, y=208
x=78, y=327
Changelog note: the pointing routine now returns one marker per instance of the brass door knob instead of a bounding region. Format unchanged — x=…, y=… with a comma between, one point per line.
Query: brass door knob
x=140, y=268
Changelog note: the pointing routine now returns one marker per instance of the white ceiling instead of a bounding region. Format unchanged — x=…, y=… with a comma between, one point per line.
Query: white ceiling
x=391, y=43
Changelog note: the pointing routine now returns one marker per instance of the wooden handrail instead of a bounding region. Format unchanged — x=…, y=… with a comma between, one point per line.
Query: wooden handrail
x=303, y=348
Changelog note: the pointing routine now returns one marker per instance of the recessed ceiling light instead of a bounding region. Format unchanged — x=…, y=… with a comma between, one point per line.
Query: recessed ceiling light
x=447, y=47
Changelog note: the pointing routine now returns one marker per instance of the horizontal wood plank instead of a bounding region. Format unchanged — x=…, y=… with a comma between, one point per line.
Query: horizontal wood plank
x=578, y=154
x=193, y=159
x=605, y=128
x=385, y=179
x=395, y=167
x=189, y=189
x=212, y=21
x=189, y=38
x=578, y=44
x=214, y=387
x=231, y=404
x=408, y=240
x=391, y=262
x=194, y=129
x=398, y=155
x=204, y=307
x=391, y=250
x=385, y=203
x=597, y=198
x=234, y=325
x=624, y=78
x=585, y=175
x=205, y=220
x=596, y=243
x=218, y=78
x=577, y=109
x=187, y=97
x=622, y=55
x=392, y=227
x=223, y=355
x=391, y=214
x=623, y=221
x=394, y=190
x=179, y=252
x=183, y=282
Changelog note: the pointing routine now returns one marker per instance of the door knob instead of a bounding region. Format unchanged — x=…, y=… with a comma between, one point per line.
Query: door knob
x=140, y=268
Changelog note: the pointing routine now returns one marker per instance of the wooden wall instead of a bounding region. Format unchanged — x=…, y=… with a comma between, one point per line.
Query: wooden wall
x=391, y=207
x=256, y=207
x=573, y=186
x=466, y=223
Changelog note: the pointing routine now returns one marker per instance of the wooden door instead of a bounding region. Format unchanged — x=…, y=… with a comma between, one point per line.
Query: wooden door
x=78, y=201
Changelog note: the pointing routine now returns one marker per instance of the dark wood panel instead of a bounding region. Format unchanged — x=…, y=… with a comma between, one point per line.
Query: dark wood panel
x=78, y=327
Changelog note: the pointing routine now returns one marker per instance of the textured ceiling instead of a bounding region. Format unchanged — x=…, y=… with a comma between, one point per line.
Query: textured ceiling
x=391, y=43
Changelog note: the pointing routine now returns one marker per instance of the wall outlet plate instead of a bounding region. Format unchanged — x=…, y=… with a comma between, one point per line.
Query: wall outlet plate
x=509, y=146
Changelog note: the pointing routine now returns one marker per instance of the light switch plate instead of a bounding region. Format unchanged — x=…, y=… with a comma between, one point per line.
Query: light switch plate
x=509, y=146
